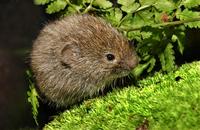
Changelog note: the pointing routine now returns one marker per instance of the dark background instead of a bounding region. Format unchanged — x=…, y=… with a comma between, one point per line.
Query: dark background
x=20, y=22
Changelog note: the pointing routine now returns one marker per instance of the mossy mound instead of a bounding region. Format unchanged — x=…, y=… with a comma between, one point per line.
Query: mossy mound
x=170, y=101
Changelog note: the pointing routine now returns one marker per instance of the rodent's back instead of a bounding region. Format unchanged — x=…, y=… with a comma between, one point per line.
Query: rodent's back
x=70, y=58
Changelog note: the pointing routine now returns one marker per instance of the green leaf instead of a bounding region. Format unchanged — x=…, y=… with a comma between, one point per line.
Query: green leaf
x=41, y=2
x=150, y=42
x=130, y=8
x=33, y=97
x=86, y=1
x=152, y=63
x=146, y=35
x=139, y=69
x=117, y=14
x=56, y=6
x=142, y=67
x=188, y=14
x=165, y=5
x=141, y=19
x=147, y=2
x=180, y=41
x=167, y=58
x=181, y=44
x=146, y=57
x=191, y=3
x=114, y=16
x=174, y=38
x=73, y=9
x=145, y=16
x=136, y=35
x=125, y=2
x=104, y=4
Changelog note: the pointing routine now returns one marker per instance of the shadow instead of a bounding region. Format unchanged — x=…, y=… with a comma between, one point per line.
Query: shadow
x=20, y=22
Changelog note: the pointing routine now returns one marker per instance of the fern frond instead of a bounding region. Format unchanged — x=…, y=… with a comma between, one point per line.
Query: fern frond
x=167, y=58
x=188, y=14
x=33, y=97
x=190, y=3
x=56, y=6
x=152, y=63
x=41, y=2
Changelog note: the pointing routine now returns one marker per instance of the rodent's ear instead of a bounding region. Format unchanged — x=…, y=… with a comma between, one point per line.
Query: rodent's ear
x=69, y=53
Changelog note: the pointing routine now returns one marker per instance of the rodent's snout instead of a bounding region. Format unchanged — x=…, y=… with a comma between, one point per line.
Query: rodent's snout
x=132, y=63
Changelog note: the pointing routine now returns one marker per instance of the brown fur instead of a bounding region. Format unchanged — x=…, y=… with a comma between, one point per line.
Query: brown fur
x=69, y=58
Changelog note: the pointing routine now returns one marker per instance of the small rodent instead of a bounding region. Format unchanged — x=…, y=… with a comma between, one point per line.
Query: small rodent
x=75, y=57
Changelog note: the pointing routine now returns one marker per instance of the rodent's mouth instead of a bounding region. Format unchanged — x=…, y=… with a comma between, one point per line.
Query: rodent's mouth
x=118, y=72
x=121, y=74
x=109, y=79
x=113, y=76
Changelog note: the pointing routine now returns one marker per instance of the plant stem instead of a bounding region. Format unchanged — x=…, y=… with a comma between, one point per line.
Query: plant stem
x=166, y=24
x=129, y=14
x=70, y=4
x=88, y=8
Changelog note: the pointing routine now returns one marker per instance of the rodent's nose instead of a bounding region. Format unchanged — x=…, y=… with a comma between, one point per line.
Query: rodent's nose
x=132, y=63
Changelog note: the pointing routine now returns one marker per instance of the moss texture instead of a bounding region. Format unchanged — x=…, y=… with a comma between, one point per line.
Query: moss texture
x=164, y=101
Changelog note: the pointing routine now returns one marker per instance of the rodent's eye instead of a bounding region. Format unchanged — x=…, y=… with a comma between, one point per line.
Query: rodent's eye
x=110, y=57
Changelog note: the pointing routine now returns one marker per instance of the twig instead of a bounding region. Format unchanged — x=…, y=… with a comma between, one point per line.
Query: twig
x=166, y=24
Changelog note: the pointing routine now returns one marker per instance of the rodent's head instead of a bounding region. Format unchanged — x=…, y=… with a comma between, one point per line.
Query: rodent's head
x=97, y=51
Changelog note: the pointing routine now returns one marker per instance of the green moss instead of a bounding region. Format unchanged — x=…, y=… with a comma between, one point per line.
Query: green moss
x=170, y=101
